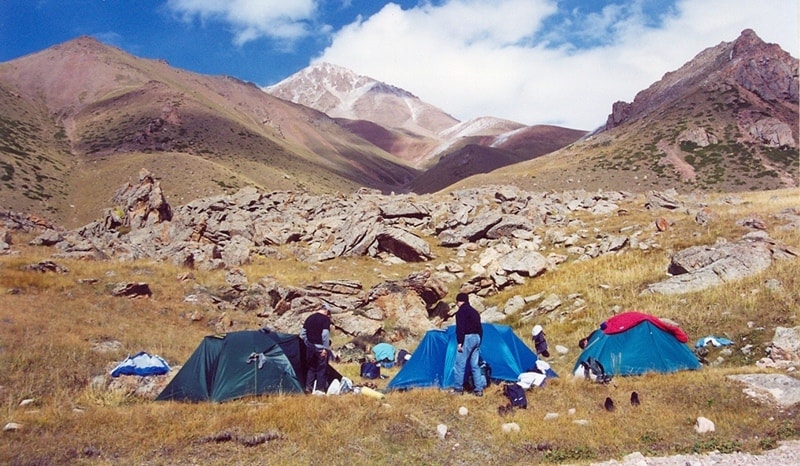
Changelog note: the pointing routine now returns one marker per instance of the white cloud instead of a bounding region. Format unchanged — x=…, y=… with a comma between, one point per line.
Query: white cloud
x=252, y=19
x=478, y=57
x=109, y=37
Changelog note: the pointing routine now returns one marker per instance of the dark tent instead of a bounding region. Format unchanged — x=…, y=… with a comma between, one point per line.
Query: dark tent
x=431, y=364
x=239, y=364
x=634, y=343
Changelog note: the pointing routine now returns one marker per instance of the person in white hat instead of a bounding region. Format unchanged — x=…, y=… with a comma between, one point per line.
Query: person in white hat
x=540, y=341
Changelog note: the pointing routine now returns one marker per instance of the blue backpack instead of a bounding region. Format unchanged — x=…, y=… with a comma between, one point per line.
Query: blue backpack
x=516, y=395
x=370, y=370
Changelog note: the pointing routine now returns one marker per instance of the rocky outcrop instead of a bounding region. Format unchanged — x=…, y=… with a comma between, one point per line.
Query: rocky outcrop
x=763, y=70
x=392, y=310
x=504, y=226
x=697, y=136
x=17, y=221
x=786, y=344
x=664, y=200
x=771, y=388
x=700, y=267
x=773, y=132
x=226, y=231
x=140, y=205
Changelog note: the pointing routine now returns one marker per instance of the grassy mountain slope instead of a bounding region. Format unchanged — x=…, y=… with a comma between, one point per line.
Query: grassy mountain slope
x=481, y=156
x=648, y=154
x=34, y=157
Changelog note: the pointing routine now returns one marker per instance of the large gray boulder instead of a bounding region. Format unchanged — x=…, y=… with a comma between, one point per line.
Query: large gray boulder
x=525, y=262
x=786, y=344
x=700, y=267
x=139, y=205
x=472, y=231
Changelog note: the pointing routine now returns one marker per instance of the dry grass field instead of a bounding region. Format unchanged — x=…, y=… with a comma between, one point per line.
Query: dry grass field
x=51, y=324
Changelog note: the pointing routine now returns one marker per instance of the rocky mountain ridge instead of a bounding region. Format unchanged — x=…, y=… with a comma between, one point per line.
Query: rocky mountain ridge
x=747, y=64
x=726, y=121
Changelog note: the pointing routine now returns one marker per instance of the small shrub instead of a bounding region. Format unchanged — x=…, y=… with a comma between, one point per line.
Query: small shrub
x=563, y=455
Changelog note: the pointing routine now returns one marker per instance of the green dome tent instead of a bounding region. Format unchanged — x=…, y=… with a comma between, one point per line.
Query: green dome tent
x=239, y=364
x=634, y=343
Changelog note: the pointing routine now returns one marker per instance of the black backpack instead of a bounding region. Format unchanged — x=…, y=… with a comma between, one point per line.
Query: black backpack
x=486, y=370
x=401, y=357
x=516, y=395
x=370, y=370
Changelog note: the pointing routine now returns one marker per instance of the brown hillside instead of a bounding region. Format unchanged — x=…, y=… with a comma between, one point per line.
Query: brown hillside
x=408, y=146
x=485, y=154
x=81, y=118
x=533, y=141
x=460, y=163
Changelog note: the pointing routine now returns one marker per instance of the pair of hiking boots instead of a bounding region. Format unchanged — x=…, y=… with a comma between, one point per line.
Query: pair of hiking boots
x=461, y=392
x=507, y=408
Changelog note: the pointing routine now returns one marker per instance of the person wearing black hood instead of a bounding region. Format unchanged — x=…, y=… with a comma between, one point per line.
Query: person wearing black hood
x=469, y=333
x=317, y=337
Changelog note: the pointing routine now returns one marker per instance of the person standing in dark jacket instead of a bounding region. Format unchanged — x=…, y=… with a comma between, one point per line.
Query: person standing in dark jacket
x=469, y=333
x=317, y=337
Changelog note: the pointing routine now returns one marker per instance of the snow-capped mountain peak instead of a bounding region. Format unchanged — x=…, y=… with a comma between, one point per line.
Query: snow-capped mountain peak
x=342, y=93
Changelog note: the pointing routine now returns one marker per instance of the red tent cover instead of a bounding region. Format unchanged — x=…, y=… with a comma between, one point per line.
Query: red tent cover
x=622, y=322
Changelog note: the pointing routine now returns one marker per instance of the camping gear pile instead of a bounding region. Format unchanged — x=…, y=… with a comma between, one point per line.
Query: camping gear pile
x=142, y=364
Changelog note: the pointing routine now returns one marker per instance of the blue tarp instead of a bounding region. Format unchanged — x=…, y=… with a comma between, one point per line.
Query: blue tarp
x=141, y=364
x=432, y=362
x=641, y=349
x=715, y=341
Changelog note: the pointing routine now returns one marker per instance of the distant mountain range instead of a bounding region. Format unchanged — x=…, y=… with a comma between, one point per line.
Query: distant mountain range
x=426, y=137
x=81, y=118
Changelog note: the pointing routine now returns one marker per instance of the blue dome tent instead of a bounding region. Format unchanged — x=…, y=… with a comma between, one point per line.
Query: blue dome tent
x=431, y=364
x=634, y=343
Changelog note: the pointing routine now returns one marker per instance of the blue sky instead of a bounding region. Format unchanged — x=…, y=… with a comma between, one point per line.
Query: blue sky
x=561, y=62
